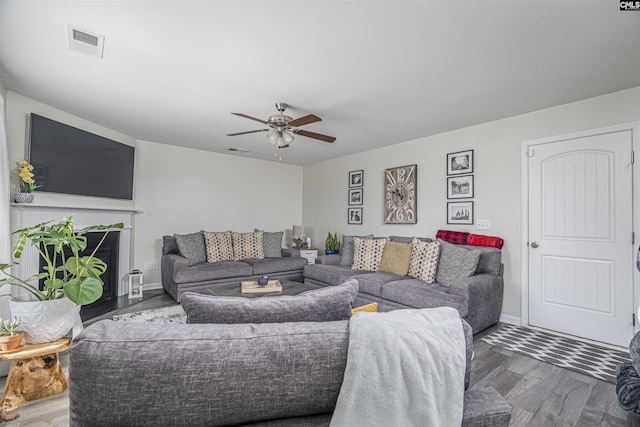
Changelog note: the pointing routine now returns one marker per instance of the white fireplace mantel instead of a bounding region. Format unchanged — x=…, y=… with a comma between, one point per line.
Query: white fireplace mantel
x=25, y=215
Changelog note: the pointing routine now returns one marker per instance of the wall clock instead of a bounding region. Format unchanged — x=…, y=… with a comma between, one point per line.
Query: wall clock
x=400, y=186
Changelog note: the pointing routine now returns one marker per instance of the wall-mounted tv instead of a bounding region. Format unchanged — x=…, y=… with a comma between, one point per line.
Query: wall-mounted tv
x=73, y=161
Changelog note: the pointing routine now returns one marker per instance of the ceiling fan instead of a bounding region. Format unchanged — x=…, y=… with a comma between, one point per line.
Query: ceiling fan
x=281, y=127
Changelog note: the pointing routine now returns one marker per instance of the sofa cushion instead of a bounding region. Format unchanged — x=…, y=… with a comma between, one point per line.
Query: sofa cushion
x=367, y=253
x=346, y=250
x=331, y=274
x=490, y=261
x=402, y=239
x=424, y=260
x=219, y=246
x=271, y=243
x=456, y=262
x=191, y=246
x=418, y=294
x=205, y=375
x=169, y=245
x=247, y=245
x=396, y=257
x=319, y=305
x=372, y=283
x=206, y=271
x=276, y=265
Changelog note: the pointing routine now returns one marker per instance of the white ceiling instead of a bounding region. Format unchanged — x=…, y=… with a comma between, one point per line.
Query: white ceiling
x=376, y=72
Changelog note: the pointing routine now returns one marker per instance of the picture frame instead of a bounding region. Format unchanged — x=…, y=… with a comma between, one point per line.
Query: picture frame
x=355, y=196
x=354, y=216
x=460, y=163
x=460, y=212
x=460, y=187
x=356, y=178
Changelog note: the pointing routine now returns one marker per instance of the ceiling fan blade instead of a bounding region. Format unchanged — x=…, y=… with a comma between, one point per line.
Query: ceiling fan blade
x=250, y=118
x=304, y=120
x=314, y=135
x=249, y=131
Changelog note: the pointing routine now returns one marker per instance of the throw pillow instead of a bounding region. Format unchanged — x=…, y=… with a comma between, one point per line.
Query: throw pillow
x=396, y=257
x=272, y=243
x=191, y=246
x=367, y=253
x=369, y=308
x=322, y=305
x=346, y=250
x=219, y=246
x=424, y=260
x=456, y=263
x=247, y=245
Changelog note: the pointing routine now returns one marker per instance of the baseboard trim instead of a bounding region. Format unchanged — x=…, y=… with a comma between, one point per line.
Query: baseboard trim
x=512, y=320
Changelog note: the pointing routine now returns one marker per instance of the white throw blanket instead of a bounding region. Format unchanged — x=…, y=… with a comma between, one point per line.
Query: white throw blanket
x=404, y=368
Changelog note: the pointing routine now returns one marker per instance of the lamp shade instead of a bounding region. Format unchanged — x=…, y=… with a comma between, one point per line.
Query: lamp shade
x=299, y=230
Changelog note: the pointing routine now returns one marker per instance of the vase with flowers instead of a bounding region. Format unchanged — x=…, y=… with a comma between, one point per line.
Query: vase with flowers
x=27, y=183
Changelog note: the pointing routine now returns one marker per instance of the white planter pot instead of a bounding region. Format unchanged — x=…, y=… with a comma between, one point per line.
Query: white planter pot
x=45, y=321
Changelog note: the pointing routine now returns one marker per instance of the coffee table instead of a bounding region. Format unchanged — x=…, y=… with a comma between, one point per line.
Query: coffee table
x=233, y=289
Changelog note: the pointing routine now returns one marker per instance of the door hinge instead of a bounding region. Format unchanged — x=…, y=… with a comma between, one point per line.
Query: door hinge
x=633, y=157
x=531, y=152
x=633, y=237
x=633, y=319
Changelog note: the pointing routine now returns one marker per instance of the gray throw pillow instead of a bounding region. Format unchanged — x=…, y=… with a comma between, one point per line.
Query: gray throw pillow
x=456, y=263
x=191, y=246
x=272, y=243
x=321, y=305
x=346, y=250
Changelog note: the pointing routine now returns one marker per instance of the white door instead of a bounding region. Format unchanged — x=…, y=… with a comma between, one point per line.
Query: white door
x=580, y=237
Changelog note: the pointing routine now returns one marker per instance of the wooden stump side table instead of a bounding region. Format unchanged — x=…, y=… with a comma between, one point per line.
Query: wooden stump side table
x=35, y=373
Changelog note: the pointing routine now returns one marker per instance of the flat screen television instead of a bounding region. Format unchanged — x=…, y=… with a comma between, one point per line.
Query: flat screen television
x=73, y=161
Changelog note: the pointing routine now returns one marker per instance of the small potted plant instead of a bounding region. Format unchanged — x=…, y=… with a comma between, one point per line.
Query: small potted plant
x=10, y=338
x=27, y=183
x=332, y=244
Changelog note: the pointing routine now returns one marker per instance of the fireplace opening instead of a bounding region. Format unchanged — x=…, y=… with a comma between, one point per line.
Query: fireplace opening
x=108, y=252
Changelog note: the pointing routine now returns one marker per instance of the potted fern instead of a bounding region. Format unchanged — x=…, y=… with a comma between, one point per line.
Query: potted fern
x=69, y=281
x=332, y=244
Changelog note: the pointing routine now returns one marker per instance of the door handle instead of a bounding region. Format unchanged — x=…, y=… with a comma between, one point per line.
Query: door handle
x=534, y=245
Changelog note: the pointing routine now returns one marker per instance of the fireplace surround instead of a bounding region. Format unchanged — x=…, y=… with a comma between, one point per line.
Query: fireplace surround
x=25, y=215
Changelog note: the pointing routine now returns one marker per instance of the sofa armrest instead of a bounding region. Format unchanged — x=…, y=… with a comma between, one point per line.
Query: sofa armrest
x=333, y=259
x=293, y=253
x=483, y=293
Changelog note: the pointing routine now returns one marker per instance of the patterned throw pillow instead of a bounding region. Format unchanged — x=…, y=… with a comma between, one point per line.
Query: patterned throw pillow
x=346, y=250
x=456, y=263
x=367, y=253
x=219, y=246
x=272, y=243
x=396, y=257
x=424, y=260
x=247, y=245
x=191, y=246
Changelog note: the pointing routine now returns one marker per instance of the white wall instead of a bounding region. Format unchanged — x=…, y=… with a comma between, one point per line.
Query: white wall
x=177, y=190
x=190, y=190
x=497, y=177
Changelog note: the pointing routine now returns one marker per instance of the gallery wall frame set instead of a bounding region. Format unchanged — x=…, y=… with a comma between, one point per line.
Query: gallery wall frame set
x=460, y=185
x=355, y=196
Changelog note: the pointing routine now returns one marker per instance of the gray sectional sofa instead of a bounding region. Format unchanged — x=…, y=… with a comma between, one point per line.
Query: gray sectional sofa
x=180, y=276
x=255, y=373
x=477, y=298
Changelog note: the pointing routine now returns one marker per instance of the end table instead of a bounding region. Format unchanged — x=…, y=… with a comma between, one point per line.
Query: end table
x=35, y=373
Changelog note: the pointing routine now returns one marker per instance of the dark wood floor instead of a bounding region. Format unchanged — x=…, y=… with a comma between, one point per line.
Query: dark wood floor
x=541, y=394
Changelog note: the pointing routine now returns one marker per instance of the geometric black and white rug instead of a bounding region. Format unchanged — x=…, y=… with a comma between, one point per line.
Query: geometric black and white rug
x=172, y=314
x=591, y=359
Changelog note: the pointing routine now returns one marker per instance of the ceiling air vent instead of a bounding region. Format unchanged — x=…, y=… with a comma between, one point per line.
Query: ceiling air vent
x=84, y=41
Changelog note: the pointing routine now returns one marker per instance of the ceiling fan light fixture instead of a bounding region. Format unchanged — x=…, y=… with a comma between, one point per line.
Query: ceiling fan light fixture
x=288, y=137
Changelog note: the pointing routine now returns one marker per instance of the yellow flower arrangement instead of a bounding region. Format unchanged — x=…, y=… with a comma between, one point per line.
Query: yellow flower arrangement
x=27, y=183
